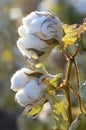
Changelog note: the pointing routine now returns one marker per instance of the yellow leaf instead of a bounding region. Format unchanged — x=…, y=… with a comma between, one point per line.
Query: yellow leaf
x=35, y=111
x=32, y=111
x=70, y=34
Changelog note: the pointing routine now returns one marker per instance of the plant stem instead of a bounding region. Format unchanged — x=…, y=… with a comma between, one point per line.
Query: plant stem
x=67, y=90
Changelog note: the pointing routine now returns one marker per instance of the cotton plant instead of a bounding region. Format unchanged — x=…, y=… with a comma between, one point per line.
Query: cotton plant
x=40, y=33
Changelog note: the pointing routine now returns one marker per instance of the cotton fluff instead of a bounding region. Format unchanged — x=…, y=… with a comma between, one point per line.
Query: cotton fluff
x=22, y=98
x=35, y=90
x=19, y=79
x=31, y=94
x=22, y=31
x=30, y=42
x=27, y=20
x=44, y=25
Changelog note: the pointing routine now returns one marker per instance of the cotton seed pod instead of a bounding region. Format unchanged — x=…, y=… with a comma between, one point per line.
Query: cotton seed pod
x=19, y=79
x=83, y=92
x=44, y=25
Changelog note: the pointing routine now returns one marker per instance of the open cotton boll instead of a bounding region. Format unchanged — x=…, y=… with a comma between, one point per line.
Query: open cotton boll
x=32, y=42
x=34, y=90
x=27, y=20
x=19, y=79
x=22, y=98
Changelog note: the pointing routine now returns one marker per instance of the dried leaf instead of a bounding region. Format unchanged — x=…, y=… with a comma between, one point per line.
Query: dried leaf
x=73, y=33
x=70, y=34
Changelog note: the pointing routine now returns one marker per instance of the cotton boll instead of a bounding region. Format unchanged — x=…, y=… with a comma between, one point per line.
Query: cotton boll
x=19, y=79
x=40, y=30
x=22, y=98
x=34, y=90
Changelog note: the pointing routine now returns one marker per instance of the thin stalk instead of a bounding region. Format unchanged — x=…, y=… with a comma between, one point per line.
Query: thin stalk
x=67, y=91
x=77, y=79
x=79, y=99
x=77, y=74
x=76, y=52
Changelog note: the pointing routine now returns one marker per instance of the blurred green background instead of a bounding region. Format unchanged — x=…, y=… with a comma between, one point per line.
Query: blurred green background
x=11, y=13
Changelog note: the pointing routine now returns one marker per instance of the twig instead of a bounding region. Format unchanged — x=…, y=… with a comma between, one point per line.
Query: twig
x=76, y=52
x=77, y=74
x=79, y=99
x=77, y=79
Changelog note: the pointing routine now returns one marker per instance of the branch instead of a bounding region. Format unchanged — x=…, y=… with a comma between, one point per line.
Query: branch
x=67, y=91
